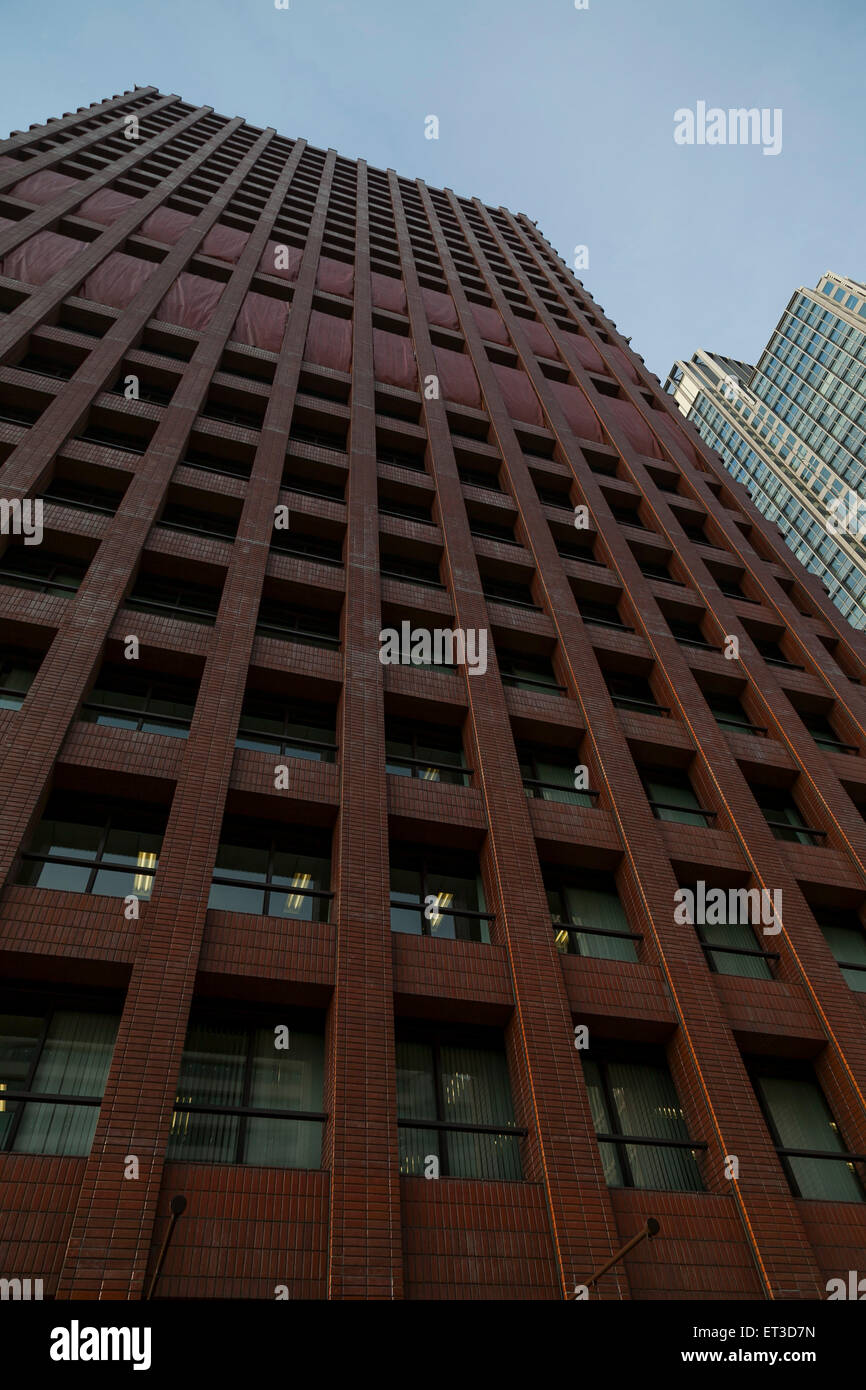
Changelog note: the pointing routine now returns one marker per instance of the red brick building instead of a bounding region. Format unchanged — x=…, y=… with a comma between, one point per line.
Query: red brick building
x=382, y=966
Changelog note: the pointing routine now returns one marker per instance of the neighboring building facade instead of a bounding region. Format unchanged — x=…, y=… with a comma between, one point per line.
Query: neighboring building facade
x=365, y=710
x=793, y=429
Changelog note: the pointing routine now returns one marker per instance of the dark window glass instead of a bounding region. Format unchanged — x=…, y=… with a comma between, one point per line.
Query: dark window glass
x=588, y=917
x=82, y=495
x=601, y=614
x=87, y=844
x=784, y=817
x=824, y=734
x=729, y=713
x=802, y=1124
x=438, y=894
x=321, y=548
x=549, y=775
x=527, y=672
x=433, y=753
x=173, y=598
x=454, y=1104
x=245, y=1097
x=689, y=634
x=295, y=729
x=772, y=652
x=500, y=591
x=634, y=1098
x=274, y=870
x=18, y=669
x=672, y=797
x=31, y=567
x=62, y=1055
x=410, y=511
x=135, y=700
x=729, y=941
x=399, y=567
x=843, y=932
x=197, y=522
x=311, y=627
x=632, y=693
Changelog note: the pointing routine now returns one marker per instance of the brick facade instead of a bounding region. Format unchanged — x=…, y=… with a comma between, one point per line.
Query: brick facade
x=356, y=1229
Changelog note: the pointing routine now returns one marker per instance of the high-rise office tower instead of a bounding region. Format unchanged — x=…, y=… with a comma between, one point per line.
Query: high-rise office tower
x=793, y=429
x=433, y=804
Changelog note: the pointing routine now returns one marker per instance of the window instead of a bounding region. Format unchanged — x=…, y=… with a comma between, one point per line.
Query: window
x=18, y=669
x=476, y=477
x=311, y=627
x=550, y=775
x=502, y=591
x=454, y=1103
x=409, y=511
x=573, y=550
x=272, y=870
x=88, y=498
x=198, y=522
x=303, y=434
x=783, y=816
x=242, y=1098
x=88, y=844
x=600, y=614
x=806, y=1136
x=438, y=894
x=588, y=917
x=297, y=729
x=173, y=598
x=633, y=693
x=527, y=672
x=307, y=547
x=134, y=700
x=54, y=1063
x=416, y=571
x=823, y=732
x=731, y=948
x=433, y=753
x=212, y=463
x=114, y=439
x=639, y=1122
x=672, y=797
x=31, y=567
x=551, y=497
x=843, y=932
x=729, y=713
x=313, y=486
x=489, y=530
x=772, y=653
x=689, y=634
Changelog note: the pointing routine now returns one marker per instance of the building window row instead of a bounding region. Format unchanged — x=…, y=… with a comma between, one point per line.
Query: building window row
x=251, y=1092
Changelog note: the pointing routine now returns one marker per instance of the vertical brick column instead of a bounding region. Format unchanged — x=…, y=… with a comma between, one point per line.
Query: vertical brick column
x=26, y=764
x=549, y=1094
x=111, y=1233
x=365, y=1253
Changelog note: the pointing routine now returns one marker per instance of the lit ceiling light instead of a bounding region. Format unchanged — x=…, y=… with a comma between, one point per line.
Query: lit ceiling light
x=295, y=901
x=142, y=883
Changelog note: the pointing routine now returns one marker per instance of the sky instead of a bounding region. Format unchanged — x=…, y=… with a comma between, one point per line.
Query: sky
x=565, y=114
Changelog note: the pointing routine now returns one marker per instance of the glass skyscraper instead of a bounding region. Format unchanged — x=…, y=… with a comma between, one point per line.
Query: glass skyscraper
x=793, y=430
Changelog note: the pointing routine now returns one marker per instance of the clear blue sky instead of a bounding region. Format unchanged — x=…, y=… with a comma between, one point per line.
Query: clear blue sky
x=563, y=114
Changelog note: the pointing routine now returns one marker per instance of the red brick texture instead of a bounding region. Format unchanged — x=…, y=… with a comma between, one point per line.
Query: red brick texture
x=356, y=1229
